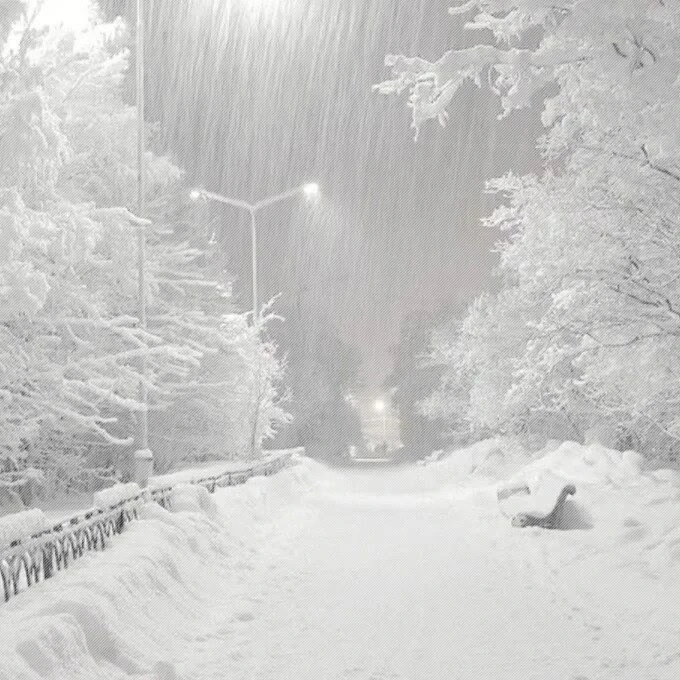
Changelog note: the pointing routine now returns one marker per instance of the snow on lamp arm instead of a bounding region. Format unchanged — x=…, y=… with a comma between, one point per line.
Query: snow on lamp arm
x=73, y=15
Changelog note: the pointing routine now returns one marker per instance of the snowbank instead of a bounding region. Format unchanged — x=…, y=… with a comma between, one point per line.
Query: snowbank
x=506, y=461
x=193, y=498
x=21, y=525
x=592, y=464
x=491, y=459
x=633, y=514
x=116, y=494
x=100, y=618
x=615, y=492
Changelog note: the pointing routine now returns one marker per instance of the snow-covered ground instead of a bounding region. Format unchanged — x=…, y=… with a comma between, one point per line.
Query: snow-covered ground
x=372, y=574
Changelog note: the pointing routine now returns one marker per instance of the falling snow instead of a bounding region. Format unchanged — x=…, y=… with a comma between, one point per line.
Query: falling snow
x=431, y=254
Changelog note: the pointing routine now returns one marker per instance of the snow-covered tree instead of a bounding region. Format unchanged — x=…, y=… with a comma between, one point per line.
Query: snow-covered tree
x=231, y=407
x=68, y=281
x=589, y=256
x=414, y=377
x=321, y=371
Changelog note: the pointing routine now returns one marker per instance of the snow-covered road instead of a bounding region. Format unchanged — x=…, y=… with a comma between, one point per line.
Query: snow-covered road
x=372, y=574
x=376, y=584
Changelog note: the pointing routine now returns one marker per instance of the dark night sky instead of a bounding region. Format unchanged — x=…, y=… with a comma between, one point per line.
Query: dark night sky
x=257, y=96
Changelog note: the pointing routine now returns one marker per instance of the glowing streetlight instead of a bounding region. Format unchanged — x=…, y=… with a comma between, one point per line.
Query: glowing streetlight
x=381, y=407
x=311, y=190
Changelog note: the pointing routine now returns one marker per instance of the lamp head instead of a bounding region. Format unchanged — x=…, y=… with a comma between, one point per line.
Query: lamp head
x=196, y=195
x=311, y=190
x=379, y=406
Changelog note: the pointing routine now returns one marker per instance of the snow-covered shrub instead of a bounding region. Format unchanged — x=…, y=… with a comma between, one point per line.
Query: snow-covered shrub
x=59, y=455
x=21, y=525
x=22, y=489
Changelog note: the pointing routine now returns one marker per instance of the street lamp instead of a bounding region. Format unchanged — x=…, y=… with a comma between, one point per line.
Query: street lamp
x=381, y=408
x=311, y=190
x=143, y=457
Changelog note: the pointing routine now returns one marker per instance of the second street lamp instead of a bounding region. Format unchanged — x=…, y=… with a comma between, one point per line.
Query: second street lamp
x=310, y=190
x=381, y=407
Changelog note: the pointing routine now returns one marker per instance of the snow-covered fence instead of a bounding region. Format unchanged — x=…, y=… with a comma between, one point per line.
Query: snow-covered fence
x=37, y=556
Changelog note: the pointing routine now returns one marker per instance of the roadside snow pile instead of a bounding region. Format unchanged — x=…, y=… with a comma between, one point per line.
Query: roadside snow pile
x=21, y=525
x=592, y=464
x=506, y=461
x=193, y=498
x=489, y=459
x=114, y=495
x=133, y=609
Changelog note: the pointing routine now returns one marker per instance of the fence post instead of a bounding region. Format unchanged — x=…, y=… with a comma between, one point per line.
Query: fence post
x=120, y=521
x=48, y=566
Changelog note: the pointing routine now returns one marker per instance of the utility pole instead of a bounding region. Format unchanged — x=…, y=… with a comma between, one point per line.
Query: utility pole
x=253, y=237
x=143, y=456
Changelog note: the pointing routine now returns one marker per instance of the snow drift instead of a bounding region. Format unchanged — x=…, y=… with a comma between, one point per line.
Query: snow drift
x=633, y=512
x=115, y=614
x=21, y=525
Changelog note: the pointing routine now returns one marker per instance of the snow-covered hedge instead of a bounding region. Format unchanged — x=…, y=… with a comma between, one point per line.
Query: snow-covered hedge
x=21, y=525
x=116, y=494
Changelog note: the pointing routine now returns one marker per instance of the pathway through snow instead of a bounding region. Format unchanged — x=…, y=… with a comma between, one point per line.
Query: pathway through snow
x=377, y=585
x=369, y=575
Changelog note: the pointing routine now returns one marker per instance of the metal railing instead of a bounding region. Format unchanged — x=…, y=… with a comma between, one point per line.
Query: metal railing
x=38, y=557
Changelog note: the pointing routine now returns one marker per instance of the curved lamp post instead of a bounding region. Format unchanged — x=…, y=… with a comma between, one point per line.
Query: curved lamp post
x=310, y=190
